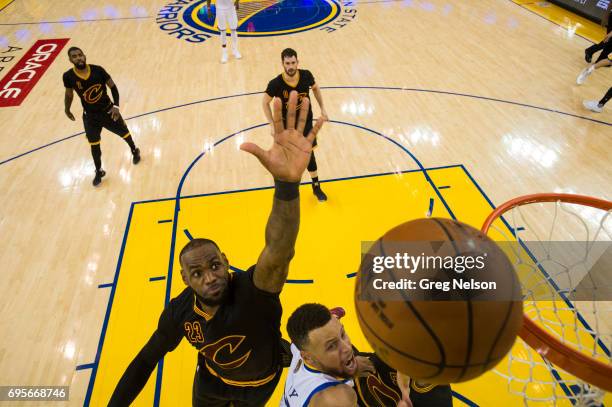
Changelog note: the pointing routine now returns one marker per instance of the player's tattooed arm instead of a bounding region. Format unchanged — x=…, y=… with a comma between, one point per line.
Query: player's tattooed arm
x=286, y=160
x=68, y=96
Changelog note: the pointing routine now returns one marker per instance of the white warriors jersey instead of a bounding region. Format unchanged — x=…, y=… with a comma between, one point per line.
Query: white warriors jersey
x=304, y=382
x=225, y=4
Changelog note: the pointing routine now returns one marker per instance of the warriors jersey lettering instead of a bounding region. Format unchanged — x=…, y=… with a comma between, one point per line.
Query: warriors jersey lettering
x=234, y=344
x=91, y=88
x=279, y=88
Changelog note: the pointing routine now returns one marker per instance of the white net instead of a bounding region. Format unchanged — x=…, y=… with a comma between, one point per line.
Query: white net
x=562, y=253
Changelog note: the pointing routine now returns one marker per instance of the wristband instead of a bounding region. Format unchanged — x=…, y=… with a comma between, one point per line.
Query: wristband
x=286, y=191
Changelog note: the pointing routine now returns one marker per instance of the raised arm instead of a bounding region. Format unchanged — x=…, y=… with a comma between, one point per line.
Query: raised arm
x=68, y=96
x=286, y=161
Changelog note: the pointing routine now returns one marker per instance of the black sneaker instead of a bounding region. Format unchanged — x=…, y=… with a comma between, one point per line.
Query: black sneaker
x=588, y=56
x=319, y=194
x=98, y=178
x=136, y=156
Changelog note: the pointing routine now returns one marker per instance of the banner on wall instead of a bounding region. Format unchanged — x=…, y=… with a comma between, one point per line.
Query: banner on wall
x=591, y=9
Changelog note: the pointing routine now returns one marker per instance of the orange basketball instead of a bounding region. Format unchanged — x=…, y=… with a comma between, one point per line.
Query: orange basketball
x=457, y=319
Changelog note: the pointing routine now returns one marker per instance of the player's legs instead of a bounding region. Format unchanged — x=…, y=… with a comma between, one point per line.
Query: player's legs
x=222, y=24
x=588, y=53
x=312, y=168
x=605, y=52
x=120, y=128
x=595, y=106
x=233, y=25
x=92, y=131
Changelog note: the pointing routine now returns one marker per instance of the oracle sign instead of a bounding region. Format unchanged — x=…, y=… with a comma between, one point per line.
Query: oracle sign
x=22, y=78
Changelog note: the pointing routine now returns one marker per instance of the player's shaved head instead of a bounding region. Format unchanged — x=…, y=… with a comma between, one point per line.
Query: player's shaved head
x=195, y=243
x=71, y=49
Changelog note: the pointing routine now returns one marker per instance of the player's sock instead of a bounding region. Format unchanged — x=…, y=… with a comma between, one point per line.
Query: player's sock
x=128, y=139
x=96, y=153
x=223, y=47
x=606, y=98
x=235, y=44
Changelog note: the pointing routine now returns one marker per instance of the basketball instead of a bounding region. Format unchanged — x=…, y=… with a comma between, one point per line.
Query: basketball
x=422, y=322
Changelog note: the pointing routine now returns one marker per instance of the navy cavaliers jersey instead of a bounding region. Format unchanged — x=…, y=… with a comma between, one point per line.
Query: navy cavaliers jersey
x=91, y=88
x=240, y=344
x=277, y=87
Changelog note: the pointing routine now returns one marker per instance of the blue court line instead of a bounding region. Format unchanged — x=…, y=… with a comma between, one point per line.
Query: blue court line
x=431, y=205
x=444, y=187
x=464, y=399
x=94, y=371
x=232, y=191
x=416, y=160
x=188, y=234
x=351, y=275
x=75, y=21
x=86, y=366
x=165, y=221
x=323, y=87
x=157, y=278
x=105, y=285
x=300, y=281
x=520, y=229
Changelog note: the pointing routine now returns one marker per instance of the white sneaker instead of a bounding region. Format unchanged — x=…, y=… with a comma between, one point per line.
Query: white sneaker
x=224, y=56
x=237, y=54
x=583, y=75
x=592, y=105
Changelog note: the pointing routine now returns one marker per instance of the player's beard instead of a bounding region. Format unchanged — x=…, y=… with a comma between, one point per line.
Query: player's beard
x=291, y=72
x=81, y=65
x=217, y=299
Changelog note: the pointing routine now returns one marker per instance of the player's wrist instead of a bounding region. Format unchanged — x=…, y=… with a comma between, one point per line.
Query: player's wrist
x=286, y=190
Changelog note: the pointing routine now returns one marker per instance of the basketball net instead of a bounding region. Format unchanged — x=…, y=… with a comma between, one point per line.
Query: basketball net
x=560, y=247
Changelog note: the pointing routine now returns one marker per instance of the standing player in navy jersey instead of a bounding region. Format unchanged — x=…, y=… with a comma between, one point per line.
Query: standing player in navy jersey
x=301, y=81
x=233, y=320
x=90, y=82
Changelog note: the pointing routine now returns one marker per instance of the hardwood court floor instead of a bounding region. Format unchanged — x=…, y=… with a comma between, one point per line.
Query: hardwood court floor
x=487, y=85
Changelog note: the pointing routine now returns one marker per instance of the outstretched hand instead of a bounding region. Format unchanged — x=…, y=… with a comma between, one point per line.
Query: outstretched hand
x=288, y=157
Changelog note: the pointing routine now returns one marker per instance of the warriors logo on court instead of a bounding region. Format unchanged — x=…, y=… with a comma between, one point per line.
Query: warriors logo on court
x=188, y=20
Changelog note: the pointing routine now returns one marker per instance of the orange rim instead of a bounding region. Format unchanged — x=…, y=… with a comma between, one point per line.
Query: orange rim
x=580, y=365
